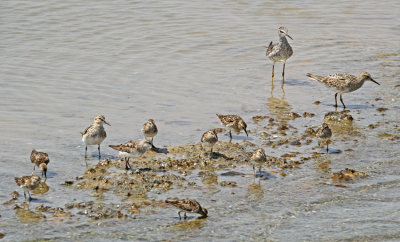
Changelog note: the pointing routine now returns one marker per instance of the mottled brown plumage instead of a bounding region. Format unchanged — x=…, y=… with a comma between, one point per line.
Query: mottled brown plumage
x=95, y=133
x=258, y=157
x=343, y=83
x=149, y=129
x=188, y=205
x=41, y=160
x=132, y=149
x=28, y=183
x=208, y=140
x=233, y=123
x=323, y=135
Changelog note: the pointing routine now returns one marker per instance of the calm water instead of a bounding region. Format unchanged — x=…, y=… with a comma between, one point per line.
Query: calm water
x=179, y=63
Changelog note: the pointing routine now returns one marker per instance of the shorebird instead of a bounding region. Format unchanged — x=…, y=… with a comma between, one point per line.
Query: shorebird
x=41, y=160
x=149, y=129
x=95, y=133
x=188, y=205
x=132, y=149
x=343, y=83
x=323, y=135
x=281, y=51
x=28, y=183
x=208, y=140
x=233, y=123
x=259, y=158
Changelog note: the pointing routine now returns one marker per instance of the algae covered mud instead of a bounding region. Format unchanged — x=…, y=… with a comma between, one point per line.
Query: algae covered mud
x=65, y=63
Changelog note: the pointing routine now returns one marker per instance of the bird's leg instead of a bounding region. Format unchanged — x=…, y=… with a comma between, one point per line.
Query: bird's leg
x=25, y=195
x=230, y=136
x=283, y=73
x=259, y=170
x=85, y=151
x=273, y=67
x=335, y=100
x=127, y=166
x=254, y=171
x=179, y=213
x=184, y=215
x=327, y=144
x=99, y=151
x=30, y=198
x=341, y=100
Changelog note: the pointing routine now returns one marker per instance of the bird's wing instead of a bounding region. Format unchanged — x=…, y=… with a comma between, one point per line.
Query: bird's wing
x=125, y=147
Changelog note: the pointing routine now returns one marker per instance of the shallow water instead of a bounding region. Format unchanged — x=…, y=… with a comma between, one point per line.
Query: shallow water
x=179, y=63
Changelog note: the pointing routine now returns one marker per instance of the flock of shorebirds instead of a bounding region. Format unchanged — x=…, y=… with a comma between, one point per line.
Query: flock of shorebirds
x=276, y=52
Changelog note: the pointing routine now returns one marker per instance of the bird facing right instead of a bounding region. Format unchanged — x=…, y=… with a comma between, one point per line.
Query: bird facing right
x=132, y=149
x=95, y=133
x=28, y=183
x=41, y=160
x=323, y=135
x=188, y=205
x=281, y=51
x=343, y=83
x=233, y=123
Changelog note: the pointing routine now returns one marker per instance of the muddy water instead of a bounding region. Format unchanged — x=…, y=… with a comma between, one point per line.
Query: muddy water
x=179, y=63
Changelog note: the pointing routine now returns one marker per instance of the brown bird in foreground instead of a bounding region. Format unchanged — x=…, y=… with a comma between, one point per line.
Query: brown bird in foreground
x=28, y=183
x=343, y=83
x=259, y=158
x=233, y=123
x=323, y=134
x=41, y=160
x=188, y=205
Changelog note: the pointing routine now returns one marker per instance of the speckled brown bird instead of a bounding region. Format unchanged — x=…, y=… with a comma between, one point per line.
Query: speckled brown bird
x=343, y=83
x=258, y=157
x=95, y=133
x=188, y=205
x=323, y=135
x=28, y=183
x=233, y=123
x=132, y=149
x=281, y=51
x=41, y=160
x=149, y=129
x=208, y=140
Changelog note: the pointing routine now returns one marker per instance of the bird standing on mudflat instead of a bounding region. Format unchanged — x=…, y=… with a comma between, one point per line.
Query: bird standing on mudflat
x=149, y=129
x=41, y=160
x=281, y=51
x=233, y=123
x=28, y=183
x=208, y=140
x=132, y=149
x=258, y=157
x=188, y=205
x=343, y=83
x=95, y=133
x=323, y=135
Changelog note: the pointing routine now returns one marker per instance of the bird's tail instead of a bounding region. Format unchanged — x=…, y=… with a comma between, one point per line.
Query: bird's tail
x=314, y=77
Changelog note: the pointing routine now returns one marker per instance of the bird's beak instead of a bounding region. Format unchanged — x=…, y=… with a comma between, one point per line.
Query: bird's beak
x=289, y=36
x=246, y=132
x=374, y=81
x=107, y=123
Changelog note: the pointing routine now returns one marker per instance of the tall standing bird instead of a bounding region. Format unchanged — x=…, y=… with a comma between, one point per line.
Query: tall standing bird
x=233, y=123
x=149, y=129
x=95, y=133
x=28, y=183
x=343, y=83
x=259, y=158
x=188, y=205
x=323, y=135
x=132, y=149
x=281, y=51
x=41, y=160
x=208, y=140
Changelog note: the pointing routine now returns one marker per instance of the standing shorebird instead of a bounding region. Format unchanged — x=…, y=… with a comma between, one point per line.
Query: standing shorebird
x=132, y=149
x=28, y=183
x=41, y=160
x=343, y=83
x=149, y=129
x=281, y=51
x=323, y=135
x=188, y=205
x=95, y=133
x=233, y=123
x=259, y=158
x=208, y=140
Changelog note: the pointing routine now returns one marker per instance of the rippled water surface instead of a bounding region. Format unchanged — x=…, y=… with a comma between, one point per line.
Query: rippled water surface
x=180, y=63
